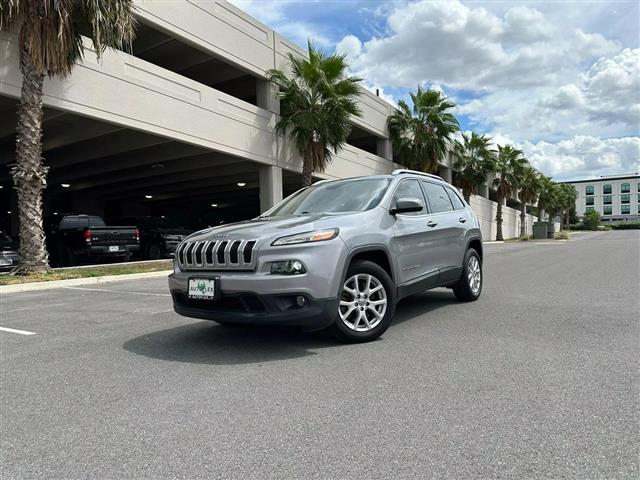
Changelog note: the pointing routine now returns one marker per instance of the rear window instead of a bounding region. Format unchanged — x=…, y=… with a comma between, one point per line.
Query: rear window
x=74, y=222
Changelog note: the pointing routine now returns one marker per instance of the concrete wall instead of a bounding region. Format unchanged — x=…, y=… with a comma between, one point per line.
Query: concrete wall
x=486, y=210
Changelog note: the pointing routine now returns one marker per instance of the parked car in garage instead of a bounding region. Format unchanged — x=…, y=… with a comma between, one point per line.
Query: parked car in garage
x=159, y=237
x=338, y=254
x=74, y=239
x=8, y=252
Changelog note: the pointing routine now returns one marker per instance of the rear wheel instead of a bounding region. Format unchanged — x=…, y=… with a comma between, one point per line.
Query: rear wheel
x=367, y=303
x=469, y=287
x=154, y=252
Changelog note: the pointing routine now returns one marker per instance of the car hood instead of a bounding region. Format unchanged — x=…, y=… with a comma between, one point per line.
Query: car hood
x=268, y=227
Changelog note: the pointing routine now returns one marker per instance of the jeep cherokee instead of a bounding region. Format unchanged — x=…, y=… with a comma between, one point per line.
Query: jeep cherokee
x=338, y=254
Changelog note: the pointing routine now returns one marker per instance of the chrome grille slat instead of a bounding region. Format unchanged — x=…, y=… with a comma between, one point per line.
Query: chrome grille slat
x=216, y=255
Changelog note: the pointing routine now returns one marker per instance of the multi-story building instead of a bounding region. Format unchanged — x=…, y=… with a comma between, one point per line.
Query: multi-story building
x=182, y=124
x=614, y=197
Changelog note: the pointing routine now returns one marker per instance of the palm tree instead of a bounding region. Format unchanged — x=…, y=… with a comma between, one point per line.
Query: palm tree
x=547, y=197
x=317, y=102
x=50, y=43
x=423, y=135
x=568, y=196
x=530, y=185
x=475, y=160
x=509, y=166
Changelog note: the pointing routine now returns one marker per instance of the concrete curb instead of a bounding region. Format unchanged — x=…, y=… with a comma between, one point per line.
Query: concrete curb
x=492, y=242
x=74, y=282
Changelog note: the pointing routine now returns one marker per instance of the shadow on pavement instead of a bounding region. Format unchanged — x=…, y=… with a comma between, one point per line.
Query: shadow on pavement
x=213, y=344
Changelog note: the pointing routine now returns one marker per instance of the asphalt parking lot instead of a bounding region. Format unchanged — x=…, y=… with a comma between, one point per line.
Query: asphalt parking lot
x=538, y=379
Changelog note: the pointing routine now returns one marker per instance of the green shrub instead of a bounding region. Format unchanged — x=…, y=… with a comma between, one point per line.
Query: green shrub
x=626, y=226
x=561, y=235
x=591, y=220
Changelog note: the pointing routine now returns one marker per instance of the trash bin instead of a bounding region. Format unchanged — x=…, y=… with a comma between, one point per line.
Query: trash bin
x=540, y=230
x=552, y=230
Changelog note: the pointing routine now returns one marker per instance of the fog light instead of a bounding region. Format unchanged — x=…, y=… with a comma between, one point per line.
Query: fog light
x=288, y=267
x=300, y=300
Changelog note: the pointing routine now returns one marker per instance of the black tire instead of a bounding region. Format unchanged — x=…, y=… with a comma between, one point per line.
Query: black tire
x=463, y=290
x=155, y=252
x=346, y=334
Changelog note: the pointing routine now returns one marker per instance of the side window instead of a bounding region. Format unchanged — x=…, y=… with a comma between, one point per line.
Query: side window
x=455, y=199
x=410, y=189
x=438, y=198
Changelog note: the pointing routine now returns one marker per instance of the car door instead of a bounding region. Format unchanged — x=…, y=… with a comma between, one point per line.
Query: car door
x=443, y=225
x=411, y=240
x=462, y=220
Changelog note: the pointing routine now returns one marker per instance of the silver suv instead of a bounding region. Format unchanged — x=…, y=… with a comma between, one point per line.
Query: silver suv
x=338, y=254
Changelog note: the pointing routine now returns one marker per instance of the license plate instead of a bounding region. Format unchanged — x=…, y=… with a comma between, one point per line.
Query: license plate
x=114, y=248
x=202, y=288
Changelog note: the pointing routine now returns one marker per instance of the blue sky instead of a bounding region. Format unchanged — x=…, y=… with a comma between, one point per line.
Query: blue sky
x=561, y=80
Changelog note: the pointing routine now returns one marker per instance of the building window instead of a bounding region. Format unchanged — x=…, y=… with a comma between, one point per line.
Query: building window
x=606, y=199
x=589, y=190
x=625, y=209
x=589, y=200
x=638, y=186
x=607, y=210
x=625, y=198
x=606, y=189
x=590, y=209
x=625, y=188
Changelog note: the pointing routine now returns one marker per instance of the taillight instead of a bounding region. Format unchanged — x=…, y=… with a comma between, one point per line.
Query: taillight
x=87, y=235
x=137, y=235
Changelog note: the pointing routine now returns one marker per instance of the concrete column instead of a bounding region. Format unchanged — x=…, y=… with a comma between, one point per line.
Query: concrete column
x=270, y=187
x=266, y=96
x=384, y=148
x=446, y=173
x=483, y=191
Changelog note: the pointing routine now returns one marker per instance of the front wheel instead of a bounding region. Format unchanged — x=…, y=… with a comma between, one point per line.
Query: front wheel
x=469, y=287
x=367, y=303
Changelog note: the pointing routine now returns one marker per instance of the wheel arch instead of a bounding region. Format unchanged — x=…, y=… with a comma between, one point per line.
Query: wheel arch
x=476, y=244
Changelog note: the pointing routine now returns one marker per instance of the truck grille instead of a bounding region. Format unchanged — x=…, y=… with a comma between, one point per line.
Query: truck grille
x=216, y=255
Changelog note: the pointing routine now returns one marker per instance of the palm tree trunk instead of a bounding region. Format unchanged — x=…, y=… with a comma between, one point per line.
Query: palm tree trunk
x=307, y=171
x=523, y=219
x=29, y=173
x=499, y=236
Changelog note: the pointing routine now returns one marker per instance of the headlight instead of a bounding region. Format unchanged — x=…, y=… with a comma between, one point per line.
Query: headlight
x=288, y=267
x=307, y=237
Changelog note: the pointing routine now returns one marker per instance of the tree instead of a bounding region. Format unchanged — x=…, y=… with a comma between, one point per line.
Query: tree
x=530, y=185
x=316, y=102
x=546, y=196
x=475, y=160
x=423, y=135
x=568, y=195
x=508, y=168
x=50, y=43
x=591, y=220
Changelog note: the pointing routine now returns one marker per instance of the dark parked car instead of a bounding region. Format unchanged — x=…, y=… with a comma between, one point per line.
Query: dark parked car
x=73, y=239
x=8, y=252
x=158, y=236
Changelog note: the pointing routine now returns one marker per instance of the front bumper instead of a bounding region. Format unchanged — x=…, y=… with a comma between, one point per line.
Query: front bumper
x=252, y=308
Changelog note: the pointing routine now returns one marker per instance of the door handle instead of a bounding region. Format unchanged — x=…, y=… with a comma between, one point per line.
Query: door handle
x=431, y=223
x=462, y=219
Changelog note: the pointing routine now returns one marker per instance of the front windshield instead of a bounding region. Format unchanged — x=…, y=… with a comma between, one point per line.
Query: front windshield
x=333, y=197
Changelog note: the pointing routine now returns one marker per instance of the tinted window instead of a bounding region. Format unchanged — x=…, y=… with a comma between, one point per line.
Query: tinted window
x=333, y=197
x=96, y=222
x=589, y=190
x=75, y=222
x=409, y=189
x=625, y=188
x=455, y=199
x=606, y=189
x=438, y=198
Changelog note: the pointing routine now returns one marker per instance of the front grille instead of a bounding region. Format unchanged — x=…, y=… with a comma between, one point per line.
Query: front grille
x=217, y=255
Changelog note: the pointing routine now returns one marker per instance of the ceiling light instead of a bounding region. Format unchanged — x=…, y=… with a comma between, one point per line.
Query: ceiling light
x=9, y=212
x=65, y=185
x=1, y=187
x=214, y=205
x=148, y=196
x=241, y=184
x=55, y=213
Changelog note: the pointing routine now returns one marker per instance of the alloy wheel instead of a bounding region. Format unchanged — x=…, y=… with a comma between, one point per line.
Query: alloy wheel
x=363, y=302
x=474, y=275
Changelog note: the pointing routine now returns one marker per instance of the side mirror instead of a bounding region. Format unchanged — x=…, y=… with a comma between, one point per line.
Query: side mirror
x=407, y=205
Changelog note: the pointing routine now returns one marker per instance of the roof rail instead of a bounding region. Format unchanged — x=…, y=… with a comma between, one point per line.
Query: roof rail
x=400, y=171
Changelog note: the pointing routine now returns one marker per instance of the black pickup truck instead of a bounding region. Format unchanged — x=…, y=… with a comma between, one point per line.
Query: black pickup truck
x=159, y=237
x=74, y=239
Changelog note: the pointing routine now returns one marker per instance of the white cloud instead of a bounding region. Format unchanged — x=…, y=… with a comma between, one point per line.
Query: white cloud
x=584, y=156
x=351, y=46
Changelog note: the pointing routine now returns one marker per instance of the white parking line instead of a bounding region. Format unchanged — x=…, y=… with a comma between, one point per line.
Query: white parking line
x=118, y=291
x=13, y=330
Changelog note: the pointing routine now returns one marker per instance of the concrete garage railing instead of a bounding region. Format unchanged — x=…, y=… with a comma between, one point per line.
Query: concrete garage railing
x=485, y=210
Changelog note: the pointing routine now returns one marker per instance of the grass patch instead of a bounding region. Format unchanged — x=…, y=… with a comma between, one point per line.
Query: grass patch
x=561, y=235
x=87, y=272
